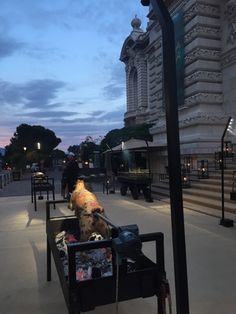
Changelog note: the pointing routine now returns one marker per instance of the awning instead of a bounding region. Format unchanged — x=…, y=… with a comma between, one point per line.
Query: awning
x=134, y=144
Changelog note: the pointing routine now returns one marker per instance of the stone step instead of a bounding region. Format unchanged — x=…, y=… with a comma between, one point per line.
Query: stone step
x=160, y=192
x=206, y=202
x=210, y=181
x=203, y=193
x=227, y=174
x=212, y=186
x=196, y=190
x=207, y=194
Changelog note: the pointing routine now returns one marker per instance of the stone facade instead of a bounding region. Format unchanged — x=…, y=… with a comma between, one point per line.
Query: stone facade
x=209, y=75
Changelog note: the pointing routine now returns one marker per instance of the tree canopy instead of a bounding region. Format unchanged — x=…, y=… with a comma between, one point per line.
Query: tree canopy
x=85, y=150
x=116, y=136
x=24, y=145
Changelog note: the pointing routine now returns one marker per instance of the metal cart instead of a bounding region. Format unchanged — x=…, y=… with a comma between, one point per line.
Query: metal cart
x=149, y=279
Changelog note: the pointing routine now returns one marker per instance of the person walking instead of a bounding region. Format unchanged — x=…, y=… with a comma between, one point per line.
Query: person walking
x=69, y=175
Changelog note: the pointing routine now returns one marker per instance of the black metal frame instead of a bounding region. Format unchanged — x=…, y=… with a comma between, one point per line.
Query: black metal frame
x=86, y=295
x=173, y=145
x=233, y=192
x=223, y=221
x=136, y=182
x=41, y=184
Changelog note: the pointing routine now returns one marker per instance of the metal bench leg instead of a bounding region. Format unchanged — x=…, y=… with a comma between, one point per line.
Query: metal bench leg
x=74, y=307
x=35, y=201
x=48, y=261
x=53, y=197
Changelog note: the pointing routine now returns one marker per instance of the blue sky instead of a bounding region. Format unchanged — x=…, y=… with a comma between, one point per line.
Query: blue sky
x=60, y=65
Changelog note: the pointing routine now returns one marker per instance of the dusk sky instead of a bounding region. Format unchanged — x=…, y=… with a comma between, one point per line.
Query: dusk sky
x=60, y=65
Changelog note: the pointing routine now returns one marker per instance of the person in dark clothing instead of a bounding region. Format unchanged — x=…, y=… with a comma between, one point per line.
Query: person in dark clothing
x=70, y=175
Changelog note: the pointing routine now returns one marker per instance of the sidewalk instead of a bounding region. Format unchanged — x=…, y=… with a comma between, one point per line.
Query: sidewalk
x=211, y=255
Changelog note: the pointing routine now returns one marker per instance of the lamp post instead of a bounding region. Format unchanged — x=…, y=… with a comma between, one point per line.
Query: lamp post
x=25, y=149
x=202, y=168
x=39, y=147
x=224, y=222
x=188, y=163
x=173, y=146
x=40, y=197
x=110, y=180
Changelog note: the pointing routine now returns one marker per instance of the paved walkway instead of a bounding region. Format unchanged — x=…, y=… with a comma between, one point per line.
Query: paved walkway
x=211, y=255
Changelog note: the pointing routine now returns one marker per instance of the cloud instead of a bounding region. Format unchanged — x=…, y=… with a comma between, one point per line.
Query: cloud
x=39, y=93
x=46, y=114
x=116, y=87
x=33, y=94
x=114, y=116
x=97, y=113
x=9, y=46
x=74, y=134
x=112, y=91
x=40, y=14
x=91, y=119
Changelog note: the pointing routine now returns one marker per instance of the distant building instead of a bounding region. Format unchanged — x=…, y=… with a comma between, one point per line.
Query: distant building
x=206, y=75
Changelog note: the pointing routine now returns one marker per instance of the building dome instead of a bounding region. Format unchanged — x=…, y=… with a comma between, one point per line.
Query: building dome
x=137, y=31
x=136, y=23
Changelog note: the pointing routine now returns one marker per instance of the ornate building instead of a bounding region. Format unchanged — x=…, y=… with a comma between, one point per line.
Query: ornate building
x=206, y=49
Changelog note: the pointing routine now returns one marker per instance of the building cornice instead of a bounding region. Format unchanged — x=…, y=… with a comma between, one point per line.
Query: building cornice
x=203, y=98
x=228, y=58
x=203, y=54
x=130, y=45
x=203, y=76
x=197, y=118
x=203, y=9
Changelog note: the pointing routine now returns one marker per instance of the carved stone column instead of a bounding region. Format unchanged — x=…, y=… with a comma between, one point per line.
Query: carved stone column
x=142, y=82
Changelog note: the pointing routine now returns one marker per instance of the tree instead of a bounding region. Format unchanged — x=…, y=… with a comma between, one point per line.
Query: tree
x=75, y=149
x=58, y=154
x=87, y=149
x=24, y=145
x=116, y=136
